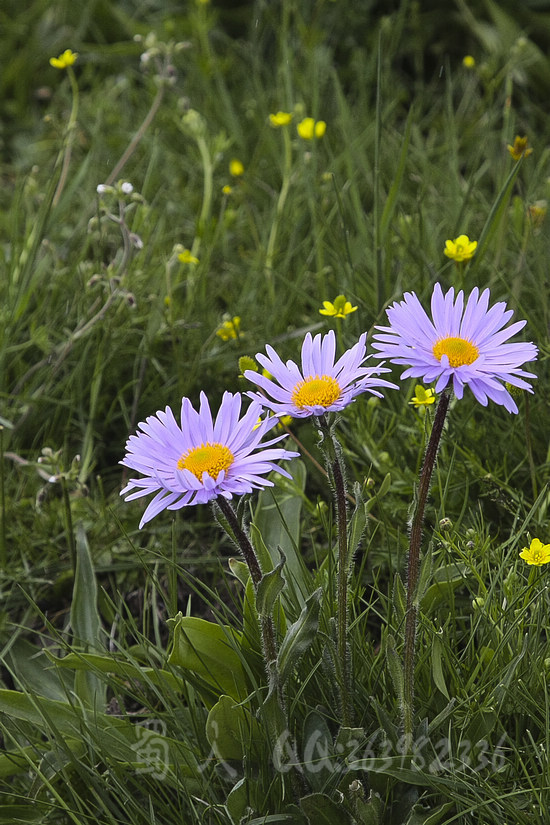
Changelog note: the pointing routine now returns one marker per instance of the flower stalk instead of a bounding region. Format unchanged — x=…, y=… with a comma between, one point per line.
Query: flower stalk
x=70, y=131
x=415, y=541
x=267, y=627
x=337, y=476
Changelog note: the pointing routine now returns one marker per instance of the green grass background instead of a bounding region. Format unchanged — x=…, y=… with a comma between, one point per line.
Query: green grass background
x=97, y=332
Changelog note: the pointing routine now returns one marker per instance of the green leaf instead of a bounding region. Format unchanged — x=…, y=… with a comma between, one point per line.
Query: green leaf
x=389, y=206
x=240, y=570
x=269, y=588
x=237, y=800
x=348, y=740
x=357, y=524
x=299, y=636
x=277, y=522
x=446, y=579
x=232, y=731
x=317, y=750
x=120, y=667
x=423, y=816
x=368, y=811
x=14, y=814
x=85, y=621
x=396, y=766
x=32, y=669
x=123, y=741
x=209, y=650
x=481, y=725
x=399, y=599
x=424, y=576
x=437, y=668
x=395, y=668
x=14, y=762
x=320, y=809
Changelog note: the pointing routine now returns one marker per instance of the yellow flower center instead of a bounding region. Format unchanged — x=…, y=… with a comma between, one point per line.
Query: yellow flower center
x=459, y=351
x=208, y=458
x=316, y=391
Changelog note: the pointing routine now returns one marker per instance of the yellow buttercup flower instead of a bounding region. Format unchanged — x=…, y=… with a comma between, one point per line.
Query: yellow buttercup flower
x=227, y=189
x=339, y=309
x=280, y=119
x=468, y=61
x=423, y=397
x=461, y=249
x=64, y=60
x=308, y=128
x=230, y=329
x=537, y=554
x=519, y=148
x=187, y=258
x=236, y=168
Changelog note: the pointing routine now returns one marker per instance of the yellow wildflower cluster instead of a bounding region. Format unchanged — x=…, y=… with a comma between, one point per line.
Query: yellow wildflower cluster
x=308, y=128
x=230, y=329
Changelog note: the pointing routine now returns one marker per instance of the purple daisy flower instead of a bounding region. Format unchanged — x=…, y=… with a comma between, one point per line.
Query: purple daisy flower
x=462, y=344
x=321, y=385
x=201, y=459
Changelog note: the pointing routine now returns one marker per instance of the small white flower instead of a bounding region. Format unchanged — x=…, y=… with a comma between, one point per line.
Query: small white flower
x=127, y=188
x=101, y=188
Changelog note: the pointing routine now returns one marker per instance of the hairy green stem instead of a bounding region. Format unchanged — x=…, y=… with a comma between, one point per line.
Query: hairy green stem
x=266, y=622
x=337, y=476
x=415, y=541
